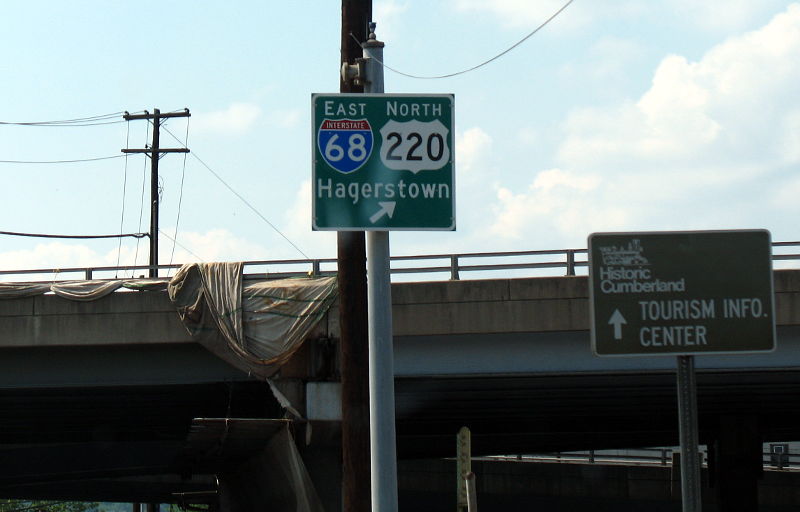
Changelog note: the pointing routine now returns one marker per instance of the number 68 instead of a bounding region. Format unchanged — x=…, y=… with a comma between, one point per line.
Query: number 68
x=356, y=150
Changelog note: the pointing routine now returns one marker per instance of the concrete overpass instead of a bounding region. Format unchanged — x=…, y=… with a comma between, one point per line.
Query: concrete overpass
x=92, y=390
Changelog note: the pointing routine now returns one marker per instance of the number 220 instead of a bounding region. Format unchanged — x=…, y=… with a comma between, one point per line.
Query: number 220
x=434, y=146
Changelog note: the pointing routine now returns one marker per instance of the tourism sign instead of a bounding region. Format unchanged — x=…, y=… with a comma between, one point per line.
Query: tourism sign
x=681, y=293
x=383, y=162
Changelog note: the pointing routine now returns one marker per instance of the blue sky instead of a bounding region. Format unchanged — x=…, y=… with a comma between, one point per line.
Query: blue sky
x=618, y=116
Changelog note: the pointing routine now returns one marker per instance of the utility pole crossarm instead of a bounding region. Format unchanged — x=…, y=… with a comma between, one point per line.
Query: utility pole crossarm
x=148, y=115
x=160, y=150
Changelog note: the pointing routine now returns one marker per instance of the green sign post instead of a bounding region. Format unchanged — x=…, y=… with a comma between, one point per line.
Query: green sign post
x=383, y=162
x=681, y=293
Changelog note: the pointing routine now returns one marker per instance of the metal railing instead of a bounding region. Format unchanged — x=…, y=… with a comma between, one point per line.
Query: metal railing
x=783, y=461
x=568, y=262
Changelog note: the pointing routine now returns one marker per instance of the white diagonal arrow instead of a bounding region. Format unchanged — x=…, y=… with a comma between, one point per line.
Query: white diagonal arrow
x=387, y=208
x=617, y=320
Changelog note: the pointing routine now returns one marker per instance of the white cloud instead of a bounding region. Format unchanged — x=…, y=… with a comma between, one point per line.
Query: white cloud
x=287, y=118
x=554, y=196
x=789, y=141
x=727, y=103
x=388, y=16
x=472, y=147
x=214, y=245
x=238, y=118
x=703, y=148
x=211, y=246
x=50, y=255
x=315, y=244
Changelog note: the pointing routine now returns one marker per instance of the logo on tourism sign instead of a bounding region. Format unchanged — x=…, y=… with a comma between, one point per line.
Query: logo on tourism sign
x=625, y=255
x=414, y=145
x=345, y=144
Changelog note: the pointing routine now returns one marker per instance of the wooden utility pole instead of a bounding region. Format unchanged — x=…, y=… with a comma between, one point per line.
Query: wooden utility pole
x=155, y=150
x=351, y=250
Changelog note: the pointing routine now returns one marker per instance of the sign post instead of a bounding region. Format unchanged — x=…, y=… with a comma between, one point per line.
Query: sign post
x=381, y=162
x=681, y=294
x=689, y=434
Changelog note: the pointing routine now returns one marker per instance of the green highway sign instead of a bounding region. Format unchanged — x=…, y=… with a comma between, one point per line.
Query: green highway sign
x=681, y=293
x=383, y=162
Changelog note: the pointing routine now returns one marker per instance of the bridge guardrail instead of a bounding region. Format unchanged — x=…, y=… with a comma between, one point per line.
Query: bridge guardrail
x=570, y=262
x=780, y=461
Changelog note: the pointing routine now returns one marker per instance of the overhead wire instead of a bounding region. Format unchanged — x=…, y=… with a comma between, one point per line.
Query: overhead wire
x=106, y=119
x=241, y=198
x=73, y=161
x=141, y=204
x=473, y=68
x=81, y=237
x=180, y=195
x=82, y=121
x=124, y=191
x=78, y=121
x=64, y=125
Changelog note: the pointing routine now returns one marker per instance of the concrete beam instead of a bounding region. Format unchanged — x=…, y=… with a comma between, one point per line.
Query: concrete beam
x=529, y=305
x=122, y=318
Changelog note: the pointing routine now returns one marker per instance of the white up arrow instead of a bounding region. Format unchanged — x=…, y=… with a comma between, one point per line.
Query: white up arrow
x=617, y=320
x=387, y=208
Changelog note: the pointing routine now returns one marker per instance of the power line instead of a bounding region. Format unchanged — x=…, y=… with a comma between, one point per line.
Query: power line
x=241, y=198
x=83, y=237
x=77, y=160
x=124, y=190
x=77, y=121
x=180, y=195
x=63, y=125
x=473, y=68
x=141, y=204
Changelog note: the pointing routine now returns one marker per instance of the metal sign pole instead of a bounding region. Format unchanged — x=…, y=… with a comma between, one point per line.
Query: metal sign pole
x=381, y=358
x=689, y=434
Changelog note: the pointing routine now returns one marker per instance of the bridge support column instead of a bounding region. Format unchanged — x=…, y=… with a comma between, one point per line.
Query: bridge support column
x=323, y=459
x=737, y=463
x=274, y=478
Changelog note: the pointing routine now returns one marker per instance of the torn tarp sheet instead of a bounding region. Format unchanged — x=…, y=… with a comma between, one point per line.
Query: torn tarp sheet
x=79, y=290
x=256, y=328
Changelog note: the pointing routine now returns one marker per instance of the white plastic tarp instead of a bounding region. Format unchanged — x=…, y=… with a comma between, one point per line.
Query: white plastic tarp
x=78, y=290
x=255, y=328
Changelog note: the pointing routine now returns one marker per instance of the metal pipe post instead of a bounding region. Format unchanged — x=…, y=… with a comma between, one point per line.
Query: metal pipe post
x=381, y=375
x=689, y=434
x=381, y=358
